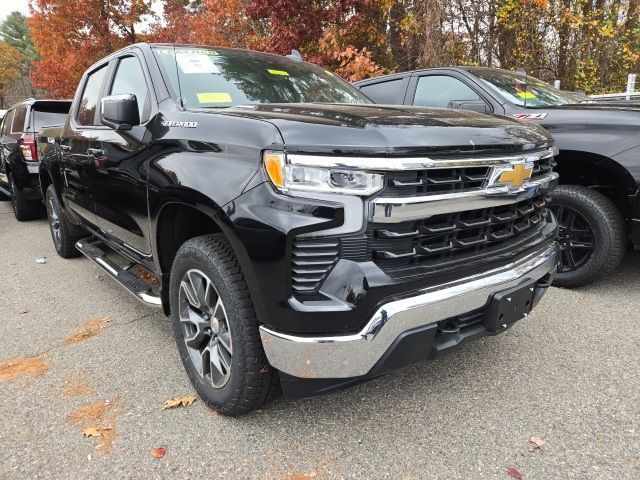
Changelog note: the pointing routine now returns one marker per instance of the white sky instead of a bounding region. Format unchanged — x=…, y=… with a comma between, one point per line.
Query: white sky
x=8, y=6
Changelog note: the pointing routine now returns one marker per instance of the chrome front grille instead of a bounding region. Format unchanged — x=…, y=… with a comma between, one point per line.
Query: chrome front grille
x=438, y=240
x=442, y=180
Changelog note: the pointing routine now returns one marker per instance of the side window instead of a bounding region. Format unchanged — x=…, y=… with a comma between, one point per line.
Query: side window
x=439, y=90
x=8, y=118
x=389, y=92
x=130, y=79
x=19, y=116
x=91, y=98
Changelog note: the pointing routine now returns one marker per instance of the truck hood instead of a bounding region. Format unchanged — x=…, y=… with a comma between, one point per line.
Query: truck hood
x=391, y=130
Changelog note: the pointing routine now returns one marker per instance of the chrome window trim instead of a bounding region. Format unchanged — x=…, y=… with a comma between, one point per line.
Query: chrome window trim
x=415, y=163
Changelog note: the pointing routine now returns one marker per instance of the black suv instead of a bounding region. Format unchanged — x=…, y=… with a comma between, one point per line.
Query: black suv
x=19, y=165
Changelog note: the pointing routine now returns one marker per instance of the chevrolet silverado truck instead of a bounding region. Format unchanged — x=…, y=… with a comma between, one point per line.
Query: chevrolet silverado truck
x=598, y=201
x=300, y=237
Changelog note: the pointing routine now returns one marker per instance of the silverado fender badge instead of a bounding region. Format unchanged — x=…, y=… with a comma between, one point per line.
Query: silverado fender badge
x=530, y=116
x=167, y=123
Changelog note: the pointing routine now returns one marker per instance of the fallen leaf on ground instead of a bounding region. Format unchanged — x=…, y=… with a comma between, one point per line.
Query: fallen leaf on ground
x=513, y=472
x=75, y=387
x=158, y=452
x=301, y=476
x=537, y=443
x=178, y=401
x=95, y=431
x=21, y=367
x=102, y=412
x=90, y=328
x=22, y=311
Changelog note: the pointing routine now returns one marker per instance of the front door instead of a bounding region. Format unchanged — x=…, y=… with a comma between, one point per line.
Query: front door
x=121, y=163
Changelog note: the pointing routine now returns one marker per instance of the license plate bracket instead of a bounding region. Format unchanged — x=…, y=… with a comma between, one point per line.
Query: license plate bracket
x=508, y=306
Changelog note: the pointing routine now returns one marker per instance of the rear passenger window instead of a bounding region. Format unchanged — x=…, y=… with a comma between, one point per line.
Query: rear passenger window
x=130, y=79
x=389, y=92
x=87, y=111
x=20, y=115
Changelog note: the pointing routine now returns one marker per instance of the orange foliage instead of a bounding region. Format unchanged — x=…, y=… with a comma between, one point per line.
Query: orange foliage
x=70, y=36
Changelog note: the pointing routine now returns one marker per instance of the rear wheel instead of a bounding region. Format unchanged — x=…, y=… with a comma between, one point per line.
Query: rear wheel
x=64, y=240
x=592, y=235
x=22, y=208
x=216, y=328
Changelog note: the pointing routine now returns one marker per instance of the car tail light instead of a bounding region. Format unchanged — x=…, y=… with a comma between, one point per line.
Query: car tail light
x=28, y=147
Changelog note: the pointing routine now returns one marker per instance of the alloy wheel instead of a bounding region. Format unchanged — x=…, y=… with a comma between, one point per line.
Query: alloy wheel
x=576, y=238
x=205, y=327
x=54, y=222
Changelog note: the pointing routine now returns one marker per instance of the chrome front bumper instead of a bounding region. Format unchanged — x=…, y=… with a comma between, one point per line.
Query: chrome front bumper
x=346, y=356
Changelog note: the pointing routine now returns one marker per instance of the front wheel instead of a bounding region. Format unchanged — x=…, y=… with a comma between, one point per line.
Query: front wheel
x=592, y=235
x=216, y=328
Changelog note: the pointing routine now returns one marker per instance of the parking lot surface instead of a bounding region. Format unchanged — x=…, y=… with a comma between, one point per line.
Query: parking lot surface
x=556, y=396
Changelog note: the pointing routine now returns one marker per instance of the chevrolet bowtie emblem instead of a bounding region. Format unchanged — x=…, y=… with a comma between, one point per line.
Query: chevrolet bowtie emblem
x=517, y=175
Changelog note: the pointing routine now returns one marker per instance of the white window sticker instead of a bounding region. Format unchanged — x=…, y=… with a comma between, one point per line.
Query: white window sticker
x=196, y=63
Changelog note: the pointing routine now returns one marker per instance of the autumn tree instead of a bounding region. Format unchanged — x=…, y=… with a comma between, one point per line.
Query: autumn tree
x=70, y=36
x=10, y=69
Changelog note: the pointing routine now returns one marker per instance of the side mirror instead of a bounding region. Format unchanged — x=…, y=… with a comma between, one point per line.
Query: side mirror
x=120, y=112
x=472, y=105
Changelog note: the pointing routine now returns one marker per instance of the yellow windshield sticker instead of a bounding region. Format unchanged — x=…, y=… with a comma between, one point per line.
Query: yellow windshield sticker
x=214, y=97
x=277, y=72
x=527, y=95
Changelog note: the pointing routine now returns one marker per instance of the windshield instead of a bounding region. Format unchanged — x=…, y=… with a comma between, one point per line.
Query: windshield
x=209, y=78
x=525, y=91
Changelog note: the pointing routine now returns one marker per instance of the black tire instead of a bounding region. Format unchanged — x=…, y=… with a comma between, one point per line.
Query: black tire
x=24, y=209
x=251, y=382
x=594, y=217
x=62, y=231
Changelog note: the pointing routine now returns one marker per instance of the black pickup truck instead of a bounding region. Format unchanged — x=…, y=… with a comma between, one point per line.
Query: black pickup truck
x=598, y=202
x=298, y=235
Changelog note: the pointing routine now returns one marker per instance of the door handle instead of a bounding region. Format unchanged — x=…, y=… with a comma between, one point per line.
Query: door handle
x=95, y=152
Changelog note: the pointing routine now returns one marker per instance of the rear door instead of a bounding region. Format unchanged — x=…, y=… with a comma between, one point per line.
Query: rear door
x=5, y=141
x=121, y=165
x=11, y=135
x=79, y=139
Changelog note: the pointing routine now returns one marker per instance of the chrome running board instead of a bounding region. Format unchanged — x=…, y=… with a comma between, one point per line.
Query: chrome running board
x=90, y=248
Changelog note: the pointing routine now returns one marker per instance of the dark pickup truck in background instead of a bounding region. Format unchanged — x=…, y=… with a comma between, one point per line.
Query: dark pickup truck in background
x=298, y=235
x=19, y=167
x=598, y=201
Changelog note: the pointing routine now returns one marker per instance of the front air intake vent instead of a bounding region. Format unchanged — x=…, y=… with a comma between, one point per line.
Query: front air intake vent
x=312, y=259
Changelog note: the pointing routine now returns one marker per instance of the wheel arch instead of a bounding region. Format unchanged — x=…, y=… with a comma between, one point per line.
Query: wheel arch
x=184, y=214
x=598, y=172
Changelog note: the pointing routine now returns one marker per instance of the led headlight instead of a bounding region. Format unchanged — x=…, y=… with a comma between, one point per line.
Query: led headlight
x=304, y=178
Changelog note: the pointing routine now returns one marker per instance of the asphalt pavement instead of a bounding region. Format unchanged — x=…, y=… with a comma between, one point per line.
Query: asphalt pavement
x=555, y=397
